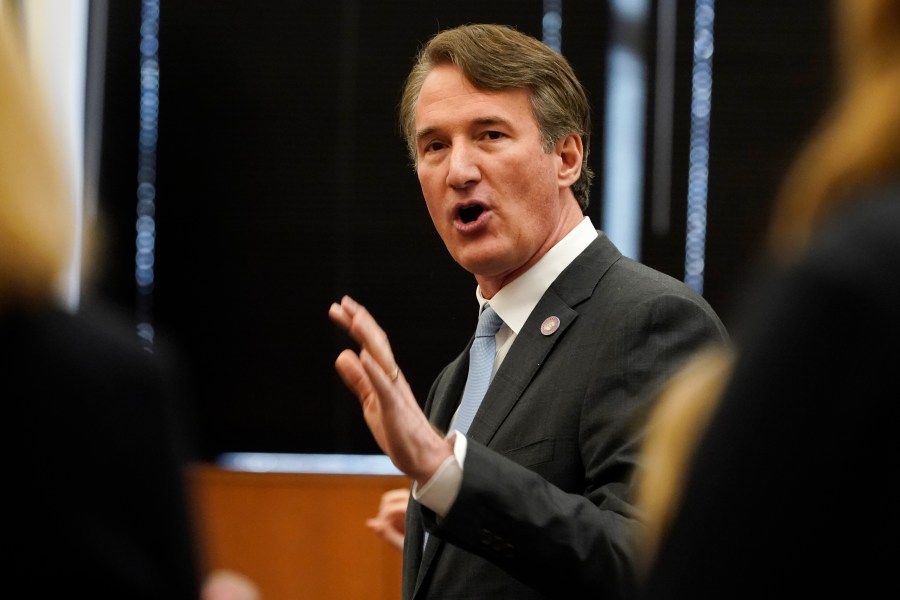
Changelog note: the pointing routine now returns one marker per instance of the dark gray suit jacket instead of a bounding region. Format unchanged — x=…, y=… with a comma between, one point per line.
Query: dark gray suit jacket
x=544, y=510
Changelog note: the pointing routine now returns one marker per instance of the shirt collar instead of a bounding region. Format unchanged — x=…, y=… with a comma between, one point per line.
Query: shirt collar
x=515, y=301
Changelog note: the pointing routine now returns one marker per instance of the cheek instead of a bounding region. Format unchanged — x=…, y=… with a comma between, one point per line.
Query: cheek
x=529, y=171
x=432, y=212
x=532, y=186
x=430, y=182
x=432, y=204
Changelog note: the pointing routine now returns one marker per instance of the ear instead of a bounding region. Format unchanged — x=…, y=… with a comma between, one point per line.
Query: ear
x=570, y=151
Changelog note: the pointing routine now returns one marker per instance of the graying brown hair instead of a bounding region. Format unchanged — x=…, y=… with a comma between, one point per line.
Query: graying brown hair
x=494, y=58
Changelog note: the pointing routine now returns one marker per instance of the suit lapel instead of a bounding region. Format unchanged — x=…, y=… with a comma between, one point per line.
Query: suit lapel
x=449, y=390
x=528, y=352
x=531, y=346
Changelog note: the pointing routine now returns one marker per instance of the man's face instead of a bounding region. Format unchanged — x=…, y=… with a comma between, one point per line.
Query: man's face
x=497, y=199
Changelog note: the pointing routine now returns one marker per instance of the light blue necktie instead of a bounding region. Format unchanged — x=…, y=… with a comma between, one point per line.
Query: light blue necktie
x=481, y=366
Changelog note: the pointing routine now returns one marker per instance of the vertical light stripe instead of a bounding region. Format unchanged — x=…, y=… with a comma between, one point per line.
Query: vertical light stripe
x=623, y=149
x=698, y=175
x=56, y=41
x=145, y=226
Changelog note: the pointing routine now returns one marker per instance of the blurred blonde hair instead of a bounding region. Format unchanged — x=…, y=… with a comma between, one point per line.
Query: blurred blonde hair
x=679, y=417
x=36, y=212
x=857, y=145
x=858, y=142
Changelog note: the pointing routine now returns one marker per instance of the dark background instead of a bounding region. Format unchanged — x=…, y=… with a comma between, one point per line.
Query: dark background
x=283, y=183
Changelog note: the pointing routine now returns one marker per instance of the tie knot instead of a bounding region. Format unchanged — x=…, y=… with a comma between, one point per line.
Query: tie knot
x=488, y=323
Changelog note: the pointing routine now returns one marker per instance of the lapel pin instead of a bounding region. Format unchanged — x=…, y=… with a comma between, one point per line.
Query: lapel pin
x=550, y=325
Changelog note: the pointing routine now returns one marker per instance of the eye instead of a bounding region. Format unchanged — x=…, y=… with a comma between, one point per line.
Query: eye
x=433, y=146
x=494, y=135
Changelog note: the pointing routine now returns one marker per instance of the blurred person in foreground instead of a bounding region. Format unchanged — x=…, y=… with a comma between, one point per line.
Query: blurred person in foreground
x=100, y=504
x=532, y=501
x=773, y=471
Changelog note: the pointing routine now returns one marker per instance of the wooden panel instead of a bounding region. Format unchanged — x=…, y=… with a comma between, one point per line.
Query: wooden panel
x=298, y=535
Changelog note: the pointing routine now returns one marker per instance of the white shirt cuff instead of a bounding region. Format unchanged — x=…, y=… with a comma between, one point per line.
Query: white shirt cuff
x=439, y=493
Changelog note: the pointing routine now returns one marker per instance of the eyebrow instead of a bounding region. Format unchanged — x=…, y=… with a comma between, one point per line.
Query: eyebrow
x=490, y=120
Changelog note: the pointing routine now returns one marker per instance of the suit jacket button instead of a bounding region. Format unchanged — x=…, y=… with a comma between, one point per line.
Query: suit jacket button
x=508, y=550
x=486, y=537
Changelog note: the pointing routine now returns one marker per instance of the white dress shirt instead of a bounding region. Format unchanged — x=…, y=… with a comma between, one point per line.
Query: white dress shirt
x=514, y=302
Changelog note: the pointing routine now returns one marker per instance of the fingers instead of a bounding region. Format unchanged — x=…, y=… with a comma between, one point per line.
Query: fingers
x=390, y=523
x=388, y=534
x=363, y=375
x=352, y=373
x=393, y=415
x=381, y=380
x=224, y=584
x=362, y=327
x=392, y=510
x=392, y=497
x=393, y=506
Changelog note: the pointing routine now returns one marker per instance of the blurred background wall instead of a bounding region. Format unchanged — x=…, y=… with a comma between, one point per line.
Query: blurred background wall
x=244, y=161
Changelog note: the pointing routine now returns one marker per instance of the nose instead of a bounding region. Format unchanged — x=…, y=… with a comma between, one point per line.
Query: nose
x=463, y=170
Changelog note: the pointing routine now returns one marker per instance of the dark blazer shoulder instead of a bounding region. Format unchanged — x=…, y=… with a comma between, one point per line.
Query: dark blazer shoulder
x=601, y=263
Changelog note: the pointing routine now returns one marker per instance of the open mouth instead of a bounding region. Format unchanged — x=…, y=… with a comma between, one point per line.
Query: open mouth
x=470, y=214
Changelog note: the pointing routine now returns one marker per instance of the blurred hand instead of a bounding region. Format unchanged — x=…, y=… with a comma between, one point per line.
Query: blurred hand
x=223, y=584
x=390, y=522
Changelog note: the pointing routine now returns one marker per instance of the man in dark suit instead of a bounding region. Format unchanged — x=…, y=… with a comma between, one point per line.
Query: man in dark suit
x=533, y=500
